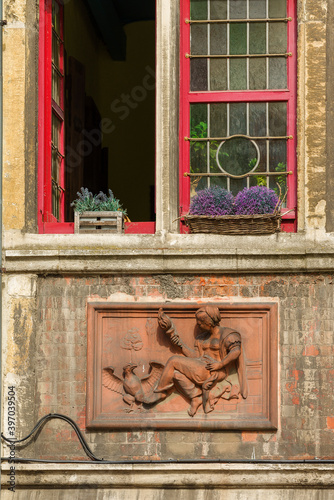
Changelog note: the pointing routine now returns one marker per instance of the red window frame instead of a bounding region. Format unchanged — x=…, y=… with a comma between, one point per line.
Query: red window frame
x=47, y=223
x=187, y=97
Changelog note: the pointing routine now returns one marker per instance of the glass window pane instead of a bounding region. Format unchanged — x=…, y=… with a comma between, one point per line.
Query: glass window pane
x=260, y=180
x=257, y=9
x=198, y=120
x=218, y=74
x=238, y=117
x=238, y=74
x=218, y=120
x=55, y=201
x=218, y=9
x=198, y=150
x=277, y=38
x=56, y=17
x=257, y=119
x=257, y=38
x=257, y=74
x=219, y=181
x=56, y=165
x=278, y=163
x=238, y=9
x=56, y=82
x=277, y=8
x=198, y=74
x=277, y=118
x=238, y=38
x=277, y=73
x=236, y=156
x=55, y=51
x=56, y=131
x=237, y=185
x=199, y=39
x=218, y=39
x=198, y=9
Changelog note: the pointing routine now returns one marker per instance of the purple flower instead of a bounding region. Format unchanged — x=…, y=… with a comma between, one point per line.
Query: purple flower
x=255, y=200
x=212, y=201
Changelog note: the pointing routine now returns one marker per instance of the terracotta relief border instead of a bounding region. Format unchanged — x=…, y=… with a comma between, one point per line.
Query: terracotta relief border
x=189, y=365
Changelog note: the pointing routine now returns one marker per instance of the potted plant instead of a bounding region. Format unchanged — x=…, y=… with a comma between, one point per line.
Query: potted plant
x=98, y=213
x=255, y=210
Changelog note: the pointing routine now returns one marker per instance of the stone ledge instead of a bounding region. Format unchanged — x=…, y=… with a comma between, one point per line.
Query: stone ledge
x=167, y=253
x=199, y=475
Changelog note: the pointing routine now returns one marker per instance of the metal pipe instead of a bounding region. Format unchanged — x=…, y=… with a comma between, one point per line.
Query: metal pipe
x=171, y=461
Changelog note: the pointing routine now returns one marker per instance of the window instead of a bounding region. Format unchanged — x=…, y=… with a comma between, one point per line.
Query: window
x=238, y=97
x=96, y=108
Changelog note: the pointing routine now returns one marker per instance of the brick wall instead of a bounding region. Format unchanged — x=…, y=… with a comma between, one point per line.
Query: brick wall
x=306, y=318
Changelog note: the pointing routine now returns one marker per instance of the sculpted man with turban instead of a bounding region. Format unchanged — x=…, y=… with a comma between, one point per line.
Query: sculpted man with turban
x=215, y=368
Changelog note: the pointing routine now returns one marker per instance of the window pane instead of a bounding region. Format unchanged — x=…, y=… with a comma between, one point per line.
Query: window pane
x=198, y=150
x=257, y=9
x=238, y=38
x=56, y=131
x=56, y=82
x=260, y=180
x=56, y=17
x=238, y=9
x=238, y=116
x=218, y=74
x=218, y=9
x=238, y=74
x=257, y=38
x=55, y=202
x=277, y=38
x=55, y=173
x=277, y=73
x=277, y=118
x=218, y=120
x=199, y=39
x=198, y=74
x=257, y=74
x=55, y=51
x=56, y=165
x=198, y=9
x=235, y=155
x=218, y=39
x=257, y=119
x=277, y=8
x=278, y=163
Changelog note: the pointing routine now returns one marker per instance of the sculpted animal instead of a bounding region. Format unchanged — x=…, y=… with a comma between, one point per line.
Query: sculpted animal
x=135, y=391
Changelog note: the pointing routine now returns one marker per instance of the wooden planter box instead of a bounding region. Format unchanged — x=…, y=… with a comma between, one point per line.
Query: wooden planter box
x=98, y=222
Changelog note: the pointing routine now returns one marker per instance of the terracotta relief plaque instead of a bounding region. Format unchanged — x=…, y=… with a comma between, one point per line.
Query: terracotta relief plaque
x=182, y=365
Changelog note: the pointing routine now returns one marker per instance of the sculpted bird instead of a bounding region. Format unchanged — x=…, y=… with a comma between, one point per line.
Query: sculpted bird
x=135, y=391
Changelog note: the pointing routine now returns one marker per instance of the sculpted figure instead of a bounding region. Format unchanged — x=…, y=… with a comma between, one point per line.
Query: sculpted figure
x=214, y=368
x=135, y=391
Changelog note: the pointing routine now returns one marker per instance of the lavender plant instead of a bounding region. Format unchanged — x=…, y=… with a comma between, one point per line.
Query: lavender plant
x=212, y=201
x=87, y=202
x=255, y=200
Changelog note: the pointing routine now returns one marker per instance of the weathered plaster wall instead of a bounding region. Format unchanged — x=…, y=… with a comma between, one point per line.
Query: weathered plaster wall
x=312, y=19
x=59, y=361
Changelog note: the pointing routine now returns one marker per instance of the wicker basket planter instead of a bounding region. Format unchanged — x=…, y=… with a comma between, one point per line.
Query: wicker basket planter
x=234, y=224
x=98, y=222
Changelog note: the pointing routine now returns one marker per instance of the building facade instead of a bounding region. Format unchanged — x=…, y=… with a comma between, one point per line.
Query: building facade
x=52, y=278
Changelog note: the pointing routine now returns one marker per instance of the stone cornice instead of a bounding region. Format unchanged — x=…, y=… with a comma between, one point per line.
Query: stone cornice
x=186, y=475
x=57, y=254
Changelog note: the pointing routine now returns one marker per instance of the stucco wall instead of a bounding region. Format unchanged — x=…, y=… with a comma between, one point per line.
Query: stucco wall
x=58, y=359
x=48, y=279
